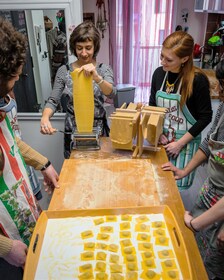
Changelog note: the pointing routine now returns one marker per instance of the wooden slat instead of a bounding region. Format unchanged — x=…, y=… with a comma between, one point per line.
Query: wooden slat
x=154, y=108
x=132, y=106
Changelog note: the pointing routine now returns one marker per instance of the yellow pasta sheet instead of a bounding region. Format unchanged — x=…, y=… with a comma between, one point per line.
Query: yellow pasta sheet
x=83, y=98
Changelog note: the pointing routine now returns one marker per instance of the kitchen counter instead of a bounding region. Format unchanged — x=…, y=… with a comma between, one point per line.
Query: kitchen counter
x=164, y=192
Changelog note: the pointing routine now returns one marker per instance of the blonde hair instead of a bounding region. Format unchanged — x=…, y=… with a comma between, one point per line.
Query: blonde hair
x=182, y=44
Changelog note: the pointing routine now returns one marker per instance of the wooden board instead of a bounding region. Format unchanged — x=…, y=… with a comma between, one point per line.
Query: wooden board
x=154, y=109
x=153, y=129
x=117, y=182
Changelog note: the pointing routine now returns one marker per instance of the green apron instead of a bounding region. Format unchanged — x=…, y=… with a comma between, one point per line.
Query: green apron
x=177, y=123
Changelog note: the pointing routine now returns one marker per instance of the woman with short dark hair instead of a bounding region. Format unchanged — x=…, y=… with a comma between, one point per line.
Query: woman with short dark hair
x=85, y=45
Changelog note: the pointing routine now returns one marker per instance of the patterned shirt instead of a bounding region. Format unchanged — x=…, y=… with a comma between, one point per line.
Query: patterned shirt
x=63, y=86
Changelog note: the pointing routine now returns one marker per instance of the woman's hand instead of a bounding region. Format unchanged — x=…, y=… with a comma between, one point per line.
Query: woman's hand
x=90, y=69
x=50, y=179
x=17, y=255
x=178, y=173
x=46, y=127
x=173, y=149
x=163, y=139
x=187, y=219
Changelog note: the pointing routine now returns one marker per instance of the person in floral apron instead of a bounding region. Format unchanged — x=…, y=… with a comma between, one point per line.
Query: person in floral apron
x=212, y=150
x=184, y=90
x=11, y=110
x=18, y=208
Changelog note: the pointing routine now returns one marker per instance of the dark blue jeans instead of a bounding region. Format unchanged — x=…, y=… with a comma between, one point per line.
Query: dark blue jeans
x=10, y=272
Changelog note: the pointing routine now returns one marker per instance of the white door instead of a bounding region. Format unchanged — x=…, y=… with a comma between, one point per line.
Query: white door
x=39, y=53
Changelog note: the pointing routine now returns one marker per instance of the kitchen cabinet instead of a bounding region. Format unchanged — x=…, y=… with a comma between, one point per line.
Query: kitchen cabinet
x=209, y=6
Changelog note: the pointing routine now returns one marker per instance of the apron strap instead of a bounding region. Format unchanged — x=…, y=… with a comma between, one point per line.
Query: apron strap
x=178, y=90
x=164, y=81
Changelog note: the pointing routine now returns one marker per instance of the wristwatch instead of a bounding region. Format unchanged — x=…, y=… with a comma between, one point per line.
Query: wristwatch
x=46, y=166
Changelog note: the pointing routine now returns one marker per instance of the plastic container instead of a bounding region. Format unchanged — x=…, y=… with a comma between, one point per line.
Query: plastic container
x=197, y=62
x=125, y=94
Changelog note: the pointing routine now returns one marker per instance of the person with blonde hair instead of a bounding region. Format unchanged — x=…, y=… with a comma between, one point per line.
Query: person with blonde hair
x=183, y=89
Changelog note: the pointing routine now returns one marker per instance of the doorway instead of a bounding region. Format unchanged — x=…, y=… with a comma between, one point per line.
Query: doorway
x=25, y=91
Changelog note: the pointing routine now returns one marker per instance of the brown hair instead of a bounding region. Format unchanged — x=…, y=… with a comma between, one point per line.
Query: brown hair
x=86, y=31
x=182, y=44
x=13, y=46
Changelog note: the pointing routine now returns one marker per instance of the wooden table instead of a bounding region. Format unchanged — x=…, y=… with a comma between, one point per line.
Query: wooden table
x=167, y=193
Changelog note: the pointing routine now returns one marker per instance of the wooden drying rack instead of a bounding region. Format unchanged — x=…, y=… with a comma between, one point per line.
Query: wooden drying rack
x=137, y=128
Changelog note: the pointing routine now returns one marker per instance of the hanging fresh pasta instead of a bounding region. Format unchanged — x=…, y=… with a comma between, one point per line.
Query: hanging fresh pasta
x=83, y=99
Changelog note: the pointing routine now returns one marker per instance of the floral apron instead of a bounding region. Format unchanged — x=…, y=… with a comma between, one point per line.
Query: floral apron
x=17, y=203
x=11, y=110
x=211, y=191
x=177, y=122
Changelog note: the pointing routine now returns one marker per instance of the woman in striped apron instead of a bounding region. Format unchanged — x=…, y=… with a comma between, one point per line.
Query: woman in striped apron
x=184, y=90
x=211, y=191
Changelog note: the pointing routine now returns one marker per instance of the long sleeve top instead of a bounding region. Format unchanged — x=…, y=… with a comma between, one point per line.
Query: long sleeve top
x=31, y=156
x=64, y=85
x=5, y=245
x=199, y=103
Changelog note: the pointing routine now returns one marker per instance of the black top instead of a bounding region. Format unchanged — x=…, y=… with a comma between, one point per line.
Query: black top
x=199, y=104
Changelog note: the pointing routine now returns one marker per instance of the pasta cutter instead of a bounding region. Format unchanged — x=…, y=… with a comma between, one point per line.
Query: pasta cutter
x=86, y=140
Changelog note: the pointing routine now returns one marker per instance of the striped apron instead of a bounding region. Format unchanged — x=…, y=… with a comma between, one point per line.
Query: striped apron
x=177, y=122
x=211, y=191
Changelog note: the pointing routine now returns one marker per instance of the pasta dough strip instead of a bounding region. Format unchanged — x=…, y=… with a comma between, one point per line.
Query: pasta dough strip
x=83, y=98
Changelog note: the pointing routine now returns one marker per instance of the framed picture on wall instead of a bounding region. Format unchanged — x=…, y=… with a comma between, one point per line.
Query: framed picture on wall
x=89, y=16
